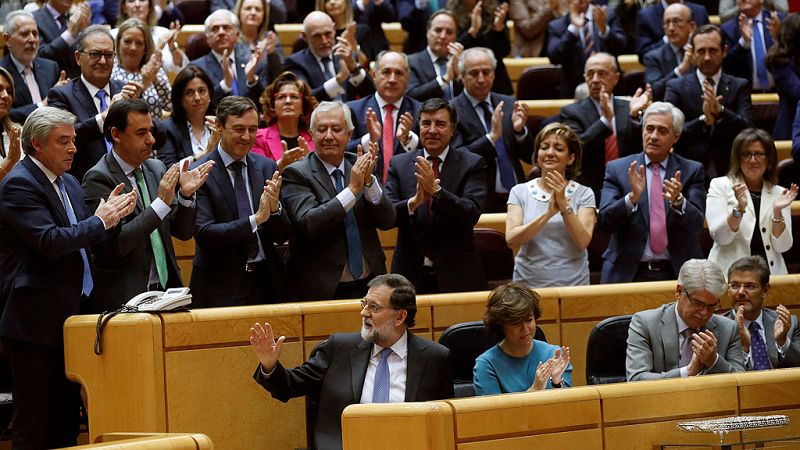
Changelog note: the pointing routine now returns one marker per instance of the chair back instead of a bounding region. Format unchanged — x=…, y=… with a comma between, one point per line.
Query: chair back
x=539, y=83
x=194, y=11
x=497, y=258
x=629, y=82
x=605, y=354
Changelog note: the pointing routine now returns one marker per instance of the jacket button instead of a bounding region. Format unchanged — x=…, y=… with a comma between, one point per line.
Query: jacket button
x=772, y=263
x=763, y=230
x=768, y=247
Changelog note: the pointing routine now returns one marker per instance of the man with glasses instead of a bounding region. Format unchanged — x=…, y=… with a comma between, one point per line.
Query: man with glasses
x=674, y=58
x=770, y=339
x=651, y=35
x=685, y=338
x=90, y=95
x=384, y=363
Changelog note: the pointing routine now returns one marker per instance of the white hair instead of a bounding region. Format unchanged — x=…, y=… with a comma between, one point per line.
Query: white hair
x=331, y=106
x=702, y=275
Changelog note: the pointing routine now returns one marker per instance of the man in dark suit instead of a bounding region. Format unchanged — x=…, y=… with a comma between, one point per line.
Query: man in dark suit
x=335, y=204
x=438, y=193
x=385, y=363
x=650, y=28
x=89, y=96
x=685, y=338
x=604, y=123
x=652, y=204
x=329, y=69
x=434, y=70
x=573, y=38
x=59, y=24
x=33, y=76
x=748, y=37
x=45, y=234
x=232, y=68
x=770, y=339
x=716, y=105
x=478, y=109
x=141, y=257
x=396, y=132
x=239, y=218
x=674, y=59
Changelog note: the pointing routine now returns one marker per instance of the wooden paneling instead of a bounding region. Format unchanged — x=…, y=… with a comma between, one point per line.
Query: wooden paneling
x=573, y=440
x=399, y=426
x=153, y=441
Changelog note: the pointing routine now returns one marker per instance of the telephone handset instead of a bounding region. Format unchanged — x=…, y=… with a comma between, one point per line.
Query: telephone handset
x=173, y=298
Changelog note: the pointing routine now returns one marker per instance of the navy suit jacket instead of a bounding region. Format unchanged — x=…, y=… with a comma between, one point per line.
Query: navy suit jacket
x=52, y=46
x=659, y=68
x=787, y=83
x=629, y=231
x=75, y=98
x=46, y=73
x=650, y=26
x=584, y=119
x=122, y=264
x=358, y=111
x=796, y=135
x=42, y=268
x=267, y=70
x=566, y=48
x=305, y=65
x=443, y=232
x=738, y=61
x=221, y=236
x=178, y=143
x=710, y=145
x=413, y=21
x=422, y=83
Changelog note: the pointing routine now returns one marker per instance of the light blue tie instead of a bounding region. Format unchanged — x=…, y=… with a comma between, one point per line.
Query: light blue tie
x=762, y=79
x=87, y=285
x=101, y=94
x=354, y=257
x=507, y=177
x=380, y=391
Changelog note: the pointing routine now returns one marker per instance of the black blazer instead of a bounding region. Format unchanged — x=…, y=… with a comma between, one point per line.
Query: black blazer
x=122, y=264
x=443, y=232
x=659, y=68
x=650, y=26
x=422, y=83
x=710, y=145
x=75, y=98
x=221, y=236
x=268, y=69
x=46, y=73
x=178, y=143
x=337, y=370
x=305, y=65
x=52, y=46
x=583, y=117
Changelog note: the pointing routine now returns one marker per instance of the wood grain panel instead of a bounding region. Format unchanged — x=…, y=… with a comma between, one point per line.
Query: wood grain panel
x=406, y=426
x=575, y=335
x=648, y=436
x=609, y=300
x=573, y=440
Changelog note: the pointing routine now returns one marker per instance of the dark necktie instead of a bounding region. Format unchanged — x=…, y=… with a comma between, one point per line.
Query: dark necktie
x=588, y=39
x=380, y=390
x=326, y=67
x=87, y=284
x=441, y=66
x=507, y=177
x=761, y=80
x=354, y=257
x=686, y=347
x=155, y=238
x=243, y=204
x=62, y=22
x=758, y=349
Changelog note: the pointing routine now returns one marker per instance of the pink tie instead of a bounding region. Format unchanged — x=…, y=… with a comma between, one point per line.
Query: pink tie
x=387, y=138
x=30, y=81
x=658, y=220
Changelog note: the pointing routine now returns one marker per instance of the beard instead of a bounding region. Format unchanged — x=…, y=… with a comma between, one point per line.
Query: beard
x=375, y=334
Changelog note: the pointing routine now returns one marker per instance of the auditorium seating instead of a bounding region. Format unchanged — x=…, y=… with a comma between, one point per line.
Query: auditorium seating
x=605, y=351
x=539, y=83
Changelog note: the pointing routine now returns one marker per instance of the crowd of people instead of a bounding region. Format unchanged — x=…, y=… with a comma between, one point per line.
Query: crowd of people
x=283, y=169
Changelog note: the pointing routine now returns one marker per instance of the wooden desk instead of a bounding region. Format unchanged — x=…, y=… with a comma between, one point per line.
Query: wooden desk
x=154, y=441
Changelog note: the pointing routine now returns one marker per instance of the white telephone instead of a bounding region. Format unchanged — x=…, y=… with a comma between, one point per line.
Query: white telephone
x=172, y=299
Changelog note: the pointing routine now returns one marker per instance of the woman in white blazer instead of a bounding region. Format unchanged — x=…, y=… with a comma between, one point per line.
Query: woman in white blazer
x=746, y=210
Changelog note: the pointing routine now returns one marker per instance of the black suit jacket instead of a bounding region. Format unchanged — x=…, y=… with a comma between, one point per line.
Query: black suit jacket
x=122, y=264
x=659, y=68
x=738, y=61
x=178, y=143
x=52, y=46
x=422, y=83
x=221, y=237
x=305, y=66
x=337, y=370
x=500, y=44
x=650, y=26
x=42, y=268
x=710, y=145
x=317, y=250
x=443, y=232
x=472, y=135
x=413, y=20
x=46, y=73
x=267, y=71
x=584, y=119
x=75, y=98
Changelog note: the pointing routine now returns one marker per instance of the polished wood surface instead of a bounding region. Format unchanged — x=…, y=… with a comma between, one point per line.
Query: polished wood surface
x=150, y=441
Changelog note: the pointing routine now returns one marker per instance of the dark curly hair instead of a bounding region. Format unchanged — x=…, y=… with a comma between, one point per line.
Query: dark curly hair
x=268, y=98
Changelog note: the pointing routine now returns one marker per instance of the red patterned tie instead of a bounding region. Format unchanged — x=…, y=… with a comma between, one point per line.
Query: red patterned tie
x=612, y=151
x=658, y=217
x=387, y=138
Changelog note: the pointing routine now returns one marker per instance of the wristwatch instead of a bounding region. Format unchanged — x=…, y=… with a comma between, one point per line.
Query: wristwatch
x=738, y=213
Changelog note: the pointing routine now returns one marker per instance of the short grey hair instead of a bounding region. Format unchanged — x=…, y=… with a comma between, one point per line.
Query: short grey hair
x=221, y=12
x=462, y=66
x=666, y=108
x=94, y=29
x=12, y=18
x=383, y=53
x=330, y=106
x=702, y=275
x=606, y=56
x=40, y=123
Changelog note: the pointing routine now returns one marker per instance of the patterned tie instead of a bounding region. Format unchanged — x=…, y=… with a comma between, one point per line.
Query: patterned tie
x=87, y=285
x=612, y=149
x=761, y=80
x=101, y=94
x=234, y=84
x=380, y=390
x=62, y=22
x=155, y=237
x=326, y=67
x=441, y=66
x=758, y=349
x=658, y=217
x=354, y=257
x=686, y=347
x=507, y=177
x=588, y=38
x=30, y=81
x=387, y=139
x=243, y=206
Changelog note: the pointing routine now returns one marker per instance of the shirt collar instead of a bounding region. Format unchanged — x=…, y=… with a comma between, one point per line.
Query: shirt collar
x=232, y=56
x=716, y=77
x=127, y=168
x=227, y=159
x=94, y=89
x=382, y=103
x=432, y=55
x=53, y=12
x=681, y=324
x=759, y=320
x=474, y=101
x=442, y=156
x=663, y=163
x=47, y=172
x=330, y=167
x=20, y=67
x=400, y=348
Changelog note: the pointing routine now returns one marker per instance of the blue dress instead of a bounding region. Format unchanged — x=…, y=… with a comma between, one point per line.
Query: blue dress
x=498, y=373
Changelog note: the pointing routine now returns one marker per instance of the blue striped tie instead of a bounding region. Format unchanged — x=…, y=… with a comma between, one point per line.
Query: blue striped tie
x=87, y=285
x=380, y=391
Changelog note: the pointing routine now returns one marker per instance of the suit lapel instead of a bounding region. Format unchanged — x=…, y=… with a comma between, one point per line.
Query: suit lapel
x=118, y=175
x=256, y=183
x=471, y=119
x=669, y=338
x=49, y=191
x=315, y=72
x=724, y=90
x=768, y=319
x=321, y=176
x=359, y=361
x=241, y=60
x=644, y=199
x=81, y=94
x=415, y=360
x=448, y=171
x=427, y=66
x=39, y=75
x=22, y=90
x=219, y=175
x=186, y=142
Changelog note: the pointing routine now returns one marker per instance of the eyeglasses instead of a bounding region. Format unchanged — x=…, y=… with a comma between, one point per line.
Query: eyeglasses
x=589, y=74
x=95, y=56
x=697, y=304
x=676, y=22
x=287, y=97
x=750, y=287
x=373, y=308
x=758, y=156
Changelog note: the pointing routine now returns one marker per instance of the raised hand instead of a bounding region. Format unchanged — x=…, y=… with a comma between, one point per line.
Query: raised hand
x=454, y=49
x=500, y=14
x=744, y=333
x=359, y=171
x=673, y=188
x=786, y=198
x=269, y=43
x=117, y=206
x=774, y=22
x=62, y=79
x=637, y=180
x=519, y=118
x=497, y=123
x=745, y=28
x=374, y=126
x=252, y=65
x=557, y=185
x=419, y=198
x=688, y=57
x=166, y=187
x=560, y=363
x=740, y=192
x=374, y=149
x=704, y=345
x=476, y=19
x=641, y=100
x=576, y=16
x=782, y=325
x=227, y=70
x=404, y=124
x=289, y=156
x=425, y=177
x=605, y=104
x=543, y=371
x=274, y=192
x=150, y=70
x=599, y=17
x=14, y=146
x=191, y=180
x=216, y=136
x=266, y=348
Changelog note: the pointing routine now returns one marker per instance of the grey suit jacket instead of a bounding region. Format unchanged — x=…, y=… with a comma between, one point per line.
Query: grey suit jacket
x=654, y=347
x=791, y=357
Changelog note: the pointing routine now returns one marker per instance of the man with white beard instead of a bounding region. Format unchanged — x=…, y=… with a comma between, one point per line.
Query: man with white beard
x=384, y=363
